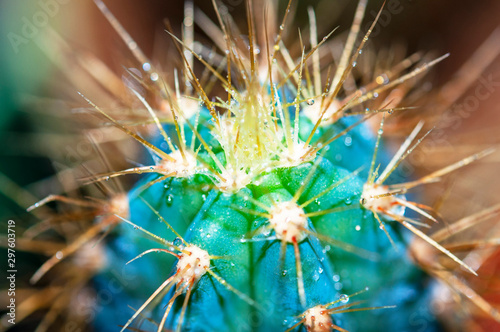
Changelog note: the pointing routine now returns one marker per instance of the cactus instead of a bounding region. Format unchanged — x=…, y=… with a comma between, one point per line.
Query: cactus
x=272, y=209
x=262, y=227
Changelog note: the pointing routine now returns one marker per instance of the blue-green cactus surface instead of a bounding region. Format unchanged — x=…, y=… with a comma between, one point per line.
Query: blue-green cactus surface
x=349, y=254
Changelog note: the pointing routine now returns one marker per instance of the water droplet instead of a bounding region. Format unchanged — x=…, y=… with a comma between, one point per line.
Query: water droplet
x=282, y=27
x=154, y=77
x=177, y=242
x=320, y=270
x=382, y=79
x=146, y=66
x=310, y=102
x=338, y=286
x=358, y=228
x=348, y=201
x=284, y=273
x=354, y=64
x=59, y=255
x=188, y=21
x=348, y=141
x=336, y=278
x=316, y=276
x=170, y=200
x=344, y=298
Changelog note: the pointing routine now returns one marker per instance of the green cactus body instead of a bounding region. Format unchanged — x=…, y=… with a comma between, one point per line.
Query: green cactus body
x=265, y=217
x=349, y=253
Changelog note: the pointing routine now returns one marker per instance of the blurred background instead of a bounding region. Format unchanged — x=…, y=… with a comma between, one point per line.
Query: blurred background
x=38, y=86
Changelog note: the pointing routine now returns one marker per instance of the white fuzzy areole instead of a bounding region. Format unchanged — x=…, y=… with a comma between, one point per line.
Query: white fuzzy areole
x=180, y=167
x=91, y=257
x=234, y=180
x=119, y=205
x=297, y=156
x=318, y=319
x=193, y=264
x=288, y=220
x=370, y=200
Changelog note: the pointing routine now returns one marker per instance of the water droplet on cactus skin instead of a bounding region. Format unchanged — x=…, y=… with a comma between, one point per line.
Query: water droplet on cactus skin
x=170, y=200
x=177, y=242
